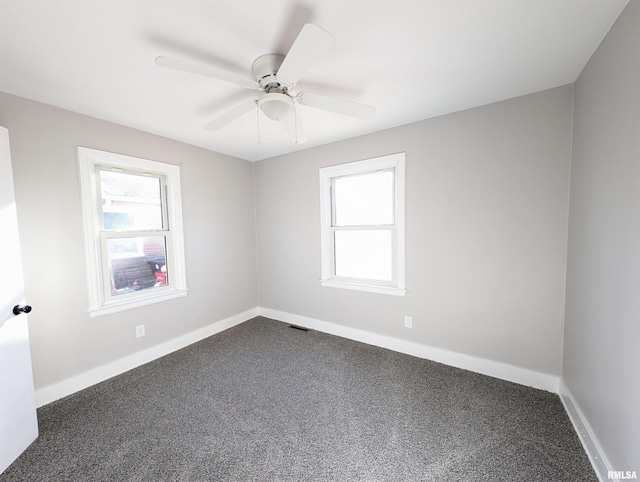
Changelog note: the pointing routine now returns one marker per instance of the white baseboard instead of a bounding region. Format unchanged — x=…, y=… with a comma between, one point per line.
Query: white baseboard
x=492, y=368
x=88, y=378
x=589, y=440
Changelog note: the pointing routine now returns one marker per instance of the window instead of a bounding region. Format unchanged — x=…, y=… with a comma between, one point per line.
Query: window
x=362, y=225
x=133, y=231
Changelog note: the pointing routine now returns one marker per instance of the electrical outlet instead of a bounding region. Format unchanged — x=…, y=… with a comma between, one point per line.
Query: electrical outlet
x=139, y=331
x=408, y=322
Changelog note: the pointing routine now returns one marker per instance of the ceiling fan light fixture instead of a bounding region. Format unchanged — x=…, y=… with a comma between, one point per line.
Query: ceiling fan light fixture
x=276, y=106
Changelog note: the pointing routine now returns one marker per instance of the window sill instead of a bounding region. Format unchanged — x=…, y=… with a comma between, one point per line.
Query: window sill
x=138, y=301
x=383, y=290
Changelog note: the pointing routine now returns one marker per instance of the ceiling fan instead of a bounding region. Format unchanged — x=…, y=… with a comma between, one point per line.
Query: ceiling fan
x=275, y=75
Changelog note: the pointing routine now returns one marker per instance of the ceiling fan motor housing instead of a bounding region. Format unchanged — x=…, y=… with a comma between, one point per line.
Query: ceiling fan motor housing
x=264, y=70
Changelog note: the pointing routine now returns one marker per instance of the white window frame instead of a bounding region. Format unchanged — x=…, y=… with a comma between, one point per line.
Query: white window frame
x=100, y=301
x=396, y=287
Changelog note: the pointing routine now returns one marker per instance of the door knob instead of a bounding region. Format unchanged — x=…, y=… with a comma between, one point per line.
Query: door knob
x=21, y=309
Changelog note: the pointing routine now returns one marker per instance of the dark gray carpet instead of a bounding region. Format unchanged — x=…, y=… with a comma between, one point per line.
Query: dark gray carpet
x=265, y=402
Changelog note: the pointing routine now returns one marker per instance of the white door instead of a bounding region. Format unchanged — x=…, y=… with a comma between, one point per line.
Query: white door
x=18, y=422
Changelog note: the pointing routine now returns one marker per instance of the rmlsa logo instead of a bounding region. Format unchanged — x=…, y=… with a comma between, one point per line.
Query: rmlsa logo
x=622, y=474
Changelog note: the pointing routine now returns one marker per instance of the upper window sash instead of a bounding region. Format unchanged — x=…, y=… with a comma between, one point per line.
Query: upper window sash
x=105, y=173
x=384, y=215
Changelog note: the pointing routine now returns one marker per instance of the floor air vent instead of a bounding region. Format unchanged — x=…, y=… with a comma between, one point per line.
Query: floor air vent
x=298, y=328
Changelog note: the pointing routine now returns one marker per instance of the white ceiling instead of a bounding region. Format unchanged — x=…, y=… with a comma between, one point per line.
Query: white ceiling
x=412, y=60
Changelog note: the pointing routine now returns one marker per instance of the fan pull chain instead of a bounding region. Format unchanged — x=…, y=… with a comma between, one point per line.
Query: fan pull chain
x=295, y=123
x=258, y=121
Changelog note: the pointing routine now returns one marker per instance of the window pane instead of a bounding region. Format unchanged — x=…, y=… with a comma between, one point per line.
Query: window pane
x=136, y=263
x=364, y=254
x=130, y=201
x=364, y=199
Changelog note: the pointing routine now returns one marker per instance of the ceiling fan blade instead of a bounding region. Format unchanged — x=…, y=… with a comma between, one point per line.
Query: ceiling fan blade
x=232, y=115
x=311, y=43
x=339, y=106
x=201, y=69
x=293, y=126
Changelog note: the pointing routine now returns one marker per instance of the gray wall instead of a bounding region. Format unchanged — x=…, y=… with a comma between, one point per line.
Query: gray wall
x=602, y=326
x=219, y=230
x=486, y=215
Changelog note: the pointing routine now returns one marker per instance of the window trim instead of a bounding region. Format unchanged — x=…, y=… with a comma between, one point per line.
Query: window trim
x=327, y=174
x=89, y=161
